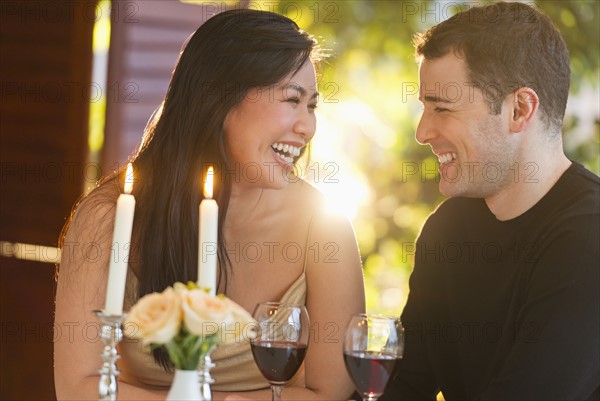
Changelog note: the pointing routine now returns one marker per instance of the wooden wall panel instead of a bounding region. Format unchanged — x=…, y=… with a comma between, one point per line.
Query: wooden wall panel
x=45, y=65
x=27, y=336
x=45, y=68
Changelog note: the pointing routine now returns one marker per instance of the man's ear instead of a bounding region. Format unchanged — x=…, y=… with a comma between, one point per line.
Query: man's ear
x=524, y=105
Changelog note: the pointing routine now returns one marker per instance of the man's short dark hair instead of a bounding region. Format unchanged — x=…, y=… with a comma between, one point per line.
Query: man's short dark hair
x=506, y=46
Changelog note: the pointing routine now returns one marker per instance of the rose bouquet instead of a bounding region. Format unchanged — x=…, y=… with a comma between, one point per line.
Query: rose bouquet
x=188, y=322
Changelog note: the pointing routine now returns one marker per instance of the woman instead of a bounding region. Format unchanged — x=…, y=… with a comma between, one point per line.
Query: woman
x=242, y=98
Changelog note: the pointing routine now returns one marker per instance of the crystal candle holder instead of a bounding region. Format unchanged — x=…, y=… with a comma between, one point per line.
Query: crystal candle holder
x=206, y=379
x=111, y=334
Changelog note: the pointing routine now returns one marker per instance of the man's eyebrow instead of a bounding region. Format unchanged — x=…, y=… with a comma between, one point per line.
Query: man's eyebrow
x=300, y=90
x=436, y=99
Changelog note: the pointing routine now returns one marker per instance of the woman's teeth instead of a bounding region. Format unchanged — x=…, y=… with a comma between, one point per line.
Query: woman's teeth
x=446, y=157
x=286, y=152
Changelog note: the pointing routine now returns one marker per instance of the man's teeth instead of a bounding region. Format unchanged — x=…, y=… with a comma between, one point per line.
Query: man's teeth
x=446, y=157
x=281, y=150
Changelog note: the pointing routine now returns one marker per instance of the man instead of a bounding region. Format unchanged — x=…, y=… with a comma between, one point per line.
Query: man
x=504, y=295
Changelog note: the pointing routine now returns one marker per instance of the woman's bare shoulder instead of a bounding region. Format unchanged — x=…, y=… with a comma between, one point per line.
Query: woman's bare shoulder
x=94, y=214
x=100, y=200
x=86, y=238
x=327, y=221
x=306, y=193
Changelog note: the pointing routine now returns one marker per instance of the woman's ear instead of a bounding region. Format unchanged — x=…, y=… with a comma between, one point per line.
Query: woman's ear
x=524, y=106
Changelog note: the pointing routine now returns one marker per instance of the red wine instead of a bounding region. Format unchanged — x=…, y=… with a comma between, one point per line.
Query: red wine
x=278, y=361
x=370, y=371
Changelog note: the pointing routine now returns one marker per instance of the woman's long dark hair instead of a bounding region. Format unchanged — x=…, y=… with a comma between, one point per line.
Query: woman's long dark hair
x=229, y=54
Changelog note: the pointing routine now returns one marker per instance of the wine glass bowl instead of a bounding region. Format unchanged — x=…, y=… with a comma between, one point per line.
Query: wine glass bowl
x=372, y=346
x=281, y=342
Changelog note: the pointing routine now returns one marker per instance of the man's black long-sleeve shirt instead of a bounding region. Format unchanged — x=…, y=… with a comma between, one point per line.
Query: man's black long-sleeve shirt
x=506, y=310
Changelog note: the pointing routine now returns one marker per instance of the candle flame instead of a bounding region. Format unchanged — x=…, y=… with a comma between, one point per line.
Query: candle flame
x=208, y=183
x=128, y=179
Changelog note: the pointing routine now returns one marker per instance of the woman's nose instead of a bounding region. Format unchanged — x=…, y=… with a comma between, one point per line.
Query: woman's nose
x=305, y=124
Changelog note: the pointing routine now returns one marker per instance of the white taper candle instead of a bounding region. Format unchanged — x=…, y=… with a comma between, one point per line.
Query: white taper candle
x=117, y=272
x=207, y=238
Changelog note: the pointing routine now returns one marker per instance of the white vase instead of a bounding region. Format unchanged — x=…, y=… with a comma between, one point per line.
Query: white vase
x=185, y=386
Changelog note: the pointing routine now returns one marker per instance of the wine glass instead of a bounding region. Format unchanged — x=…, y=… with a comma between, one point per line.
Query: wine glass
x=372, y=346
x=281, y=342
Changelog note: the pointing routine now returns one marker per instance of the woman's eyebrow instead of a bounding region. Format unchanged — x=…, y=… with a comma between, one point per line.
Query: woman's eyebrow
x=300, y=90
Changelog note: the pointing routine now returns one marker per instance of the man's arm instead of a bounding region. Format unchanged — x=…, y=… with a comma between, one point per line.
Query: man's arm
x=413, y=378
x=556, y=353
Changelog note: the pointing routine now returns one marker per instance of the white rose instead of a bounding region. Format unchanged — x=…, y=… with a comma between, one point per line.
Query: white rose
x=155, y=318
x=241, y=326
x=203, y=314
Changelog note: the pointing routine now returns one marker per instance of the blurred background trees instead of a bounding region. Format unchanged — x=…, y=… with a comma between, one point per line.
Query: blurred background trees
x=365, y=157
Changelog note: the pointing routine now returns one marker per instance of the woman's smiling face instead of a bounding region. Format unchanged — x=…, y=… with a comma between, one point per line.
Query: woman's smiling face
x=267, y=130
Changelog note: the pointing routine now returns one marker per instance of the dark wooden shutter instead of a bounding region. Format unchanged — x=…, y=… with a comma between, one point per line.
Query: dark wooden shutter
x=45, y=64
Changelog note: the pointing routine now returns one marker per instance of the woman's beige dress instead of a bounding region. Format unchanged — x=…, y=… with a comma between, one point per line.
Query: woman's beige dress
x=235, y=369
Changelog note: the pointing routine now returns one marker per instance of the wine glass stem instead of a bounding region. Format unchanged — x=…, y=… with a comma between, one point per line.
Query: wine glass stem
x=276, y=391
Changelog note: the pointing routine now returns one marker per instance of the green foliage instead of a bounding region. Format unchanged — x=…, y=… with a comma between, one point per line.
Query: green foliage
x=186, y=349
x=373, y=65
